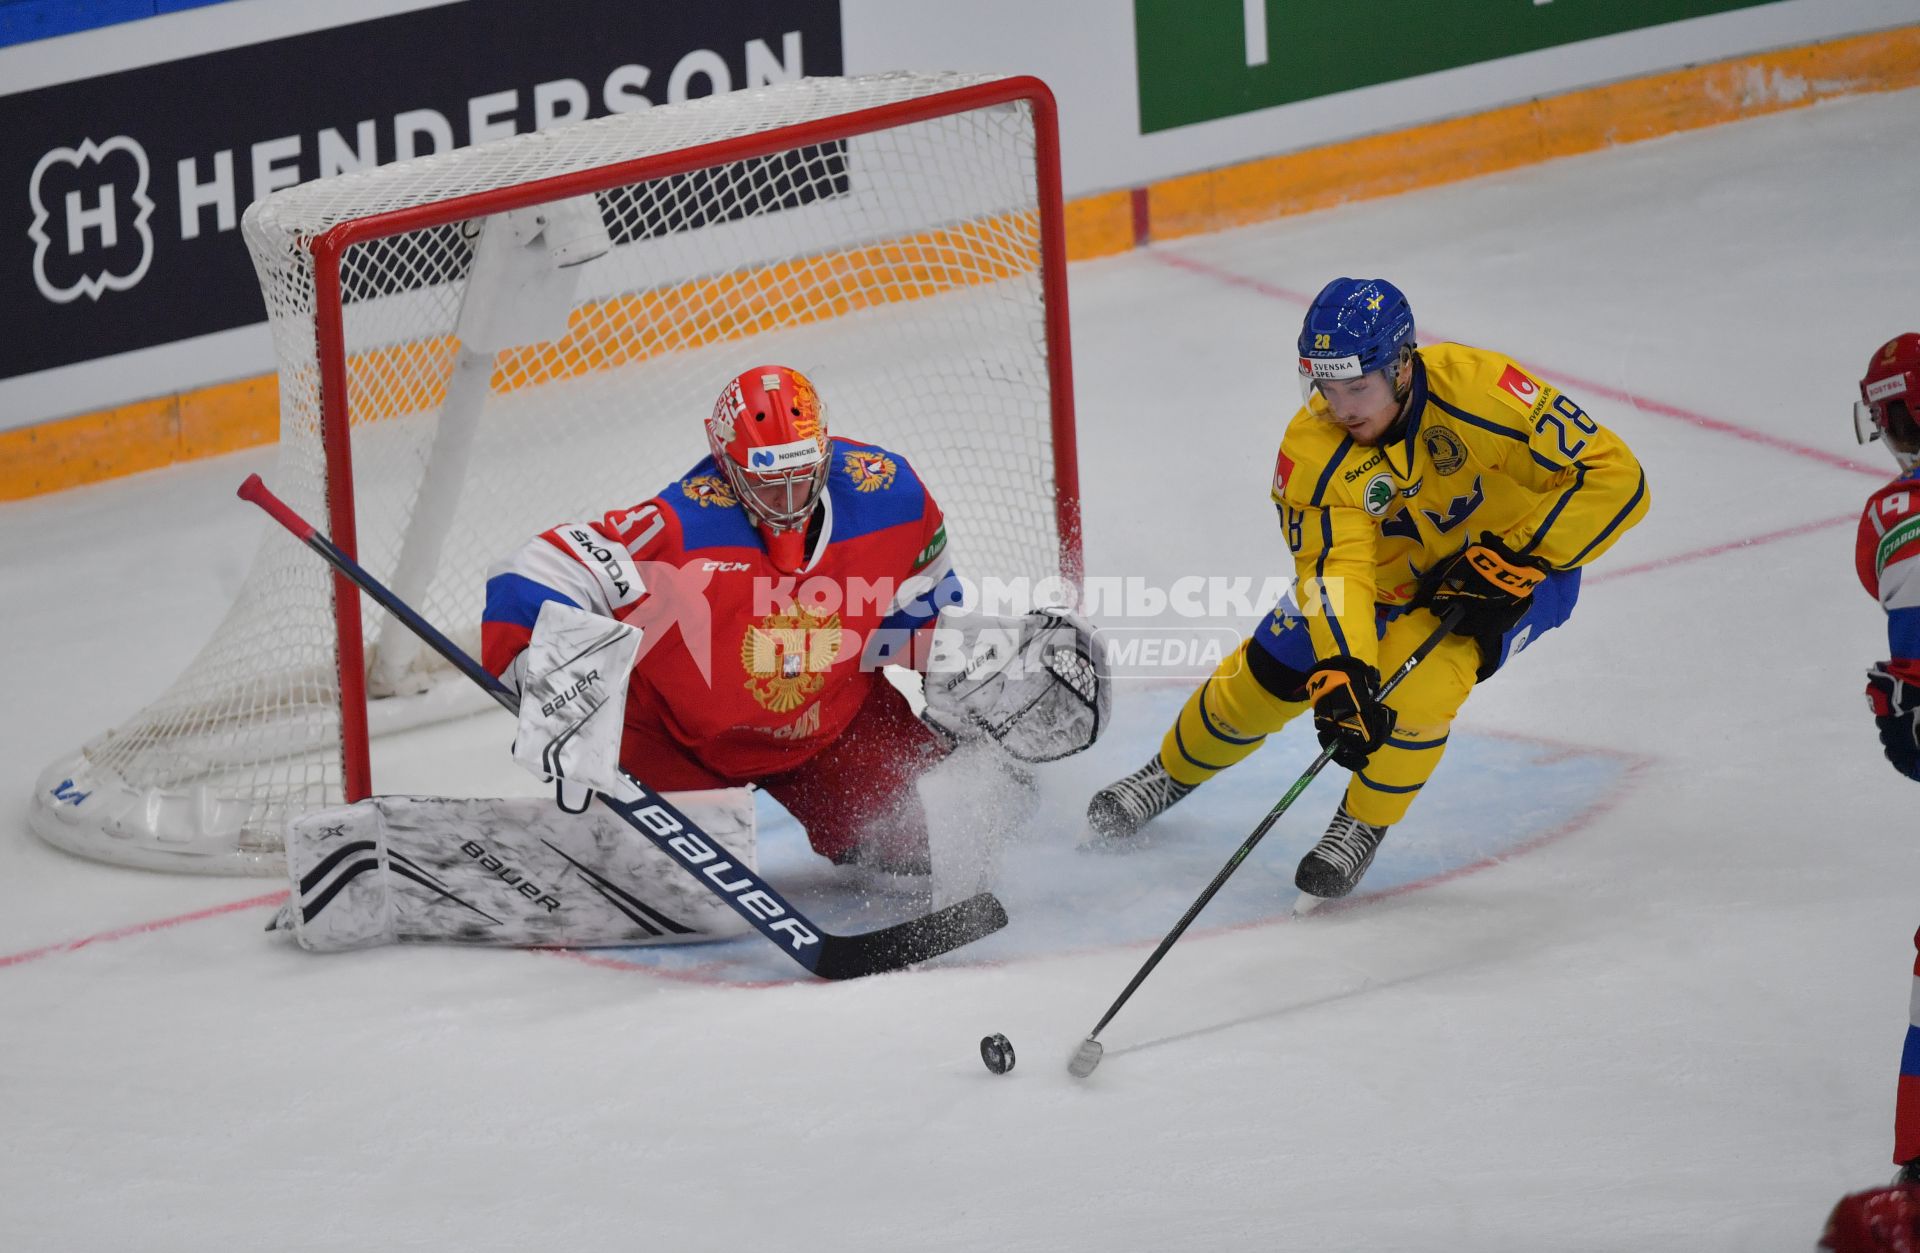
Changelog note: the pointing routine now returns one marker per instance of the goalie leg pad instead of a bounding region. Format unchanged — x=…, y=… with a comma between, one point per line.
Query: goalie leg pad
x=516, y=872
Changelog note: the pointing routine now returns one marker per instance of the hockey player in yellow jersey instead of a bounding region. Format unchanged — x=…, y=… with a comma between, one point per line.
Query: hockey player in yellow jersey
x=1413, y=480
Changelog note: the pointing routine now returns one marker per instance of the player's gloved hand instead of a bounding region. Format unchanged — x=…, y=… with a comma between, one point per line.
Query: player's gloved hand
x=1490, y=581
x=1896, y=709
x=1347, y=713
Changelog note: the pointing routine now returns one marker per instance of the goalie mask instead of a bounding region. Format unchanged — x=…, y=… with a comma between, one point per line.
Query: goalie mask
x=768, y=434
x=1889, y=394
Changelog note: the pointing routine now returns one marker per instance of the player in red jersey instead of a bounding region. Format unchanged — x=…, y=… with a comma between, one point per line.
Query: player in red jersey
x=1887, y=552
x=771, y=582
x=1887, y=557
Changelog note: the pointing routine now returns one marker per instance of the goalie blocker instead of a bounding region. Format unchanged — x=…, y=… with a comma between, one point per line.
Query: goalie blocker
x=514, y=872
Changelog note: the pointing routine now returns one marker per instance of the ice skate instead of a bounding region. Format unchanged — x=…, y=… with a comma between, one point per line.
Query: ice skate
x=1334, y=866
x=1121, y=808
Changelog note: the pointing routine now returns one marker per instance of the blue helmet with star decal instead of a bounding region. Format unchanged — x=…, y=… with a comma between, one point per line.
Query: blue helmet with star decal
x=1354, y=327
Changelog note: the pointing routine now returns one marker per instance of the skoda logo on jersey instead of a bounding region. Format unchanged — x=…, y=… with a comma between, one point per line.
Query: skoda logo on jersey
x=1379, y=494
x=90, y=211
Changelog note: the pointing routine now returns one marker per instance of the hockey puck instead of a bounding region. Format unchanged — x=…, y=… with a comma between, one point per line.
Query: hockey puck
x=997, y=1052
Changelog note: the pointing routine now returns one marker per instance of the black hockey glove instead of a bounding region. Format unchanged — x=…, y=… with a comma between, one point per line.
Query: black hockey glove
x=1896, y=709
x=1347, y=713
x=1490, y=581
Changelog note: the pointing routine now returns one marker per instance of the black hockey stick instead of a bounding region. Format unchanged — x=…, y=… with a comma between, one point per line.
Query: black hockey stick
x=1088, y=1055
x=678, y=836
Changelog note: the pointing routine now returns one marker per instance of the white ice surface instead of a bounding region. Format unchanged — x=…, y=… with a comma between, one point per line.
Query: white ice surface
x=1673, y=1027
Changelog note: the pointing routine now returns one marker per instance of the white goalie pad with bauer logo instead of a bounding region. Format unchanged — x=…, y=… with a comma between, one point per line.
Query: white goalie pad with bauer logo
x=515, y=872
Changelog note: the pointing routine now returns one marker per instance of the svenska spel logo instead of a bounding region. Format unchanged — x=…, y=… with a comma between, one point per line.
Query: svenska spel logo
x=1516, y=384
x=90, y=211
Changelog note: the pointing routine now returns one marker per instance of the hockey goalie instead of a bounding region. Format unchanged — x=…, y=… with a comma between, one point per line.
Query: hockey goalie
x=729, y=632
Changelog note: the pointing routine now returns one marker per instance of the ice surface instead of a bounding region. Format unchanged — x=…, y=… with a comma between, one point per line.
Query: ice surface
x=1660, y=1009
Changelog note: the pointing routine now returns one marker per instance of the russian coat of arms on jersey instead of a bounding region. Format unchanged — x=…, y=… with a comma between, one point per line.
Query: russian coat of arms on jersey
x=709, y=489
x=786, y=657
x=870, y=471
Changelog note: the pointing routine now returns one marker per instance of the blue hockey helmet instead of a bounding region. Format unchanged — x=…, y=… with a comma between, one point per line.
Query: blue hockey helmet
x=1354, y=327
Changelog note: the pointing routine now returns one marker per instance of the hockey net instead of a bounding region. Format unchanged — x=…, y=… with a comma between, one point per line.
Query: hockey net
x=895, y=237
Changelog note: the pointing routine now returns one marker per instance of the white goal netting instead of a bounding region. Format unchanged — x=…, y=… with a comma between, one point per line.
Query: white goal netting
x=531, y=331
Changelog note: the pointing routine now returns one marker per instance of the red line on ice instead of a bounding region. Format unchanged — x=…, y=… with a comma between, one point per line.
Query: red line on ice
x=1701, y=554
x=141, y=928
x=1719, y=426
x=591, y=957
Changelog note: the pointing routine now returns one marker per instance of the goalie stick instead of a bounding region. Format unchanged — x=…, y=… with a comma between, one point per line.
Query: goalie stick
x=824, y=954
x=1088, y=1055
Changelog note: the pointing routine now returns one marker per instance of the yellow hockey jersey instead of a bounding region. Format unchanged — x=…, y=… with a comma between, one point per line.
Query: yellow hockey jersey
x=1485, y=446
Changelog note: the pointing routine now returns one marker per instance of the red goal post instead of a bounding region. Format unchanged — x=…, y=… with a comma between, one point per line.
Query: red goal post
x=898, y=237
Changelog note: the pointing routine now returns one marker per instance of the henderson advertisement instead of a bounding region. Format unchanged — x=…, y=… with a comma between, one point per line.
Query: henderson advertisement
x=127, y=189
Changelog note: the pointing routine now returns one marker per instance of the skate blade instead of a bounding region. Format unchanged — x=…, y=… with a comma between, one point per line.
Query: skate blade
x=1307, y=903
x=1086, y=1057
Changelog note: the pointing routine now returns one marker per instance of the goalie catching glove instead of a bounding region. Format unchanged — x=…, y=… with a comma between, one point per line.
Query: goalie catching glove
x=1491, y=582
x=1038, y=685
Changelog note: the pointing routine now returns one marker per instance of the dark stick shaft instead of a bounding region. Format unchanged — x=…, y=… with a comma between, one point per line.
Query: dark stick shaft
x=1266, y=824
x=258, y=493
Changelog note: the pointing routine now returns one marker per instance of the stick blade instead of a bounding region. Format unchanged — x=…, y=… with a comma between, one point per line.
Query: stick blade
x=917, y=939
x=1086, y=1057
